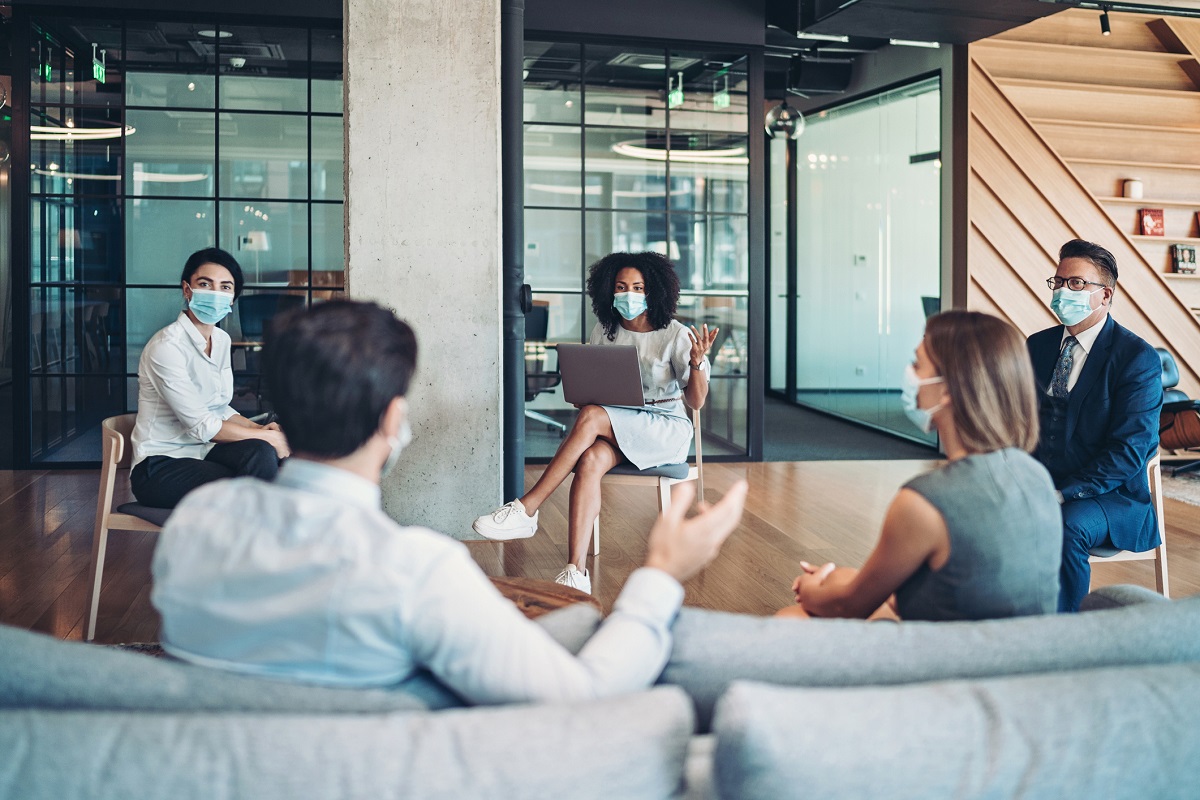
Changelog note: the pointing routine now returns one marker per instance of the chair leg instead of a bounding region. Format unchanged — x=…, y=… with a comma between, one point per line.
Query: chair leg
x=99, y=546
x=596, y=536
x=664, y=495
x=1191, y=466
x=1160, y=570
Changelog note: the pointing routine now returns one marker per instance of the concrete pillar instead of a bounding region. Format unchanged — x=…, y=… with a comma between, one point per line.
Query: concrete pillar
x=422, y=80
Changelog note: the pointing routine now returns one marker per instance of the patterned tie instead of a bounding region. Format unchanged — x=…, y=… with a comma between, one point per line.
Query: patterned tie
x=1062, y=370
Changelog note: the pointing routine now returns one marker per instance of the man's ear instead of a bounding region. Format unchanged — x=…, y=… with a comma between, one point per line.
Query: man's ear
x=393, y=417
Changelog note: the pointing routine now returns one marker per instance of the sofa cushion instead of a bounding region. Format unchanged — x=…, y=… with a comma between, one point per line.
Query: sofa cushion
x=1125, y=732
x=624, y=747
x=39, y=671
x=712, y=648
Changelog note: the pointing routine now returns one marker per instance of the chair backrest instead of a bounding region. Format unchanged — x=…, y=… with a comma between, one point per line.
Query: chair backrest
x=116, y=432
x=1154, y=478
x=537, y=323
x=1170, y=372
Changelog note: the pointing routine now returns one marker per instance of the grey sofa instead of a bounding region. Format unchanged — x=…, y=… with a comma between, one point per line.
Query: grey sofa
x=1097, y=704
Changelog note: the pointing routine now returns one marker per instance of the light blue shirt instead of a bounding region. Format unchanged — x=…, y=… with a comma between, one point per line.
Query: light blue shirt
x=307, y=579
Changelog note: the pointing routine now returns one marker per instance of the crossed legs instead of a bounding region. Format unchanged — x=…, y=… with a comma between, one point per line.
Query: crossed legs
x=590, y=450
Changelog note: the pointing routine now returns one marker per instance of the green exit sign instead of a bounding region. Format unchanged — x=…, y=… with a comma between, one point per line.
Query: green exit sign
x=47, y=73
x=721, y=99
x=98, y=70
x=675, y=98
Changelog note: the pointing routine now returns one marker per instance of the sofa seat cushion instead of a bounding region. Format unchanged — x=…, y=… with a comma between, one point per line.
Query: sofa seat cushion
x=39, y=671
x=712, y=649
x=1125, y=732
x=632, y=746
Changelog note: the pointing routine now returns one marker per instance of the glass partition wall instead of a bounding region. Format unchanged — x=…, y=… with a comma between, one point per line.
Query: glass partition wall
x=867, y=262
x=149, y=140
x=631, y=148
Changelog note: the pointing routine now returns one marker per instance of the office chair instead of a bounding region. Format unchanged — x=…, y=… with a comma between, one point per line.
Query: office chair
x=539, y=380
x=1179, y=419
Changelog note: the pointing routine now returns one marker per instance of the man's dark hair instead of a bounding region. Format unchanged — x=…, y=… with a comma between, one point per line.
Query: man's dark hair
x=332, y=370
x=215, y=255
x=1101, y=259
x=662, y=288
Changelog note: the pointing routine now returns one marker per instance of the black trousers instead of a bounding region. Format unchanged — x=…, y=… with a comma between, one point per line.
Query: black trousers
x=162, y=481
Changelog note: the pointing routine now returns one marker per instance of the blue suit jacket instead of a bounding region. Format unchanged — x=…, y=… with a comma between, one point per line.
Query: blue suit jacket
x=1112, y=428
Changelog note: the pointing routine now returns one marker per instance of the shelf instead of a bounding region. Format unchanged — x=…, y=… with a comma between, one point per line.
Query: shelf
x=1114, y=126
x=1179, y=276
x=1109, y=162
x=1137, y=237
x=1105, y=88
x=1077, y=49
x=1146, y=203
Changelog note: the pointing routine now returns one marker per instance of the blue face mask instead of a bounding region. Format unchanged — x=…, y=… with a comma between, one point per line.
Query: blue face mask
x=629, y=305
x=1070, y=307
x=210, y=307
x=921, y=417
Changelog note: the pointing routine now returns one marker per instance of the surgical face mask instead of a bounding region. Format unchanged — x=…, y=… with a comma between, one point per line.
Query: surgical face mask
x=1072, y=307
x=210, y=307
x=630, y=305
x=921, y=417
x=397, y=443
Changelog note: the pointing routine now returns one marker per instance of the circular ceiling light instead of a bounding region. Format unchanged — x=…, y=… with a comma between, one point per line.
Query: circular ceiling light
x=682, y=149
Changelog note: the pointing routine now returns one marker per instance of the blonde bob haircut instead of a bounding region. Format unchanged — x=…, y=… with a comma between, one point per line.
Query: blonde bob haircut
x=989, y=377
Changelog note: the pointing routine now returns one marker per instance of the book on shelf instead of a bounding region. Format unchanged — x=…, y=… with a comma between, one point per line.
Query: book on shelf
x=1183, y=259
x=1152, y=222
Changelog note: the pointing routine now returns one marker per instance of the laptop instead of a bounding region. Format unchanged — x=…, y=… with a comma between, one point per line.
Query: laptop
x=600, y=374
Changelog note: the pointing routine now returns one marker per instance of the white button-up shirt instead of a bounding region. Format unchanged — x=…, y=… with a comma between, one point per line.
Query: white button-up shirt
x=1087, y=340
x=306, y=578
x=183, y=393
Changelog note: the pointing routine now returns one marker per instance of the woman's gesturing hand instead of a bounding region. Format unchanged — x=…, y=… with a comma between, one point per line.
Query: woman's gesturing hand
x=702, y=341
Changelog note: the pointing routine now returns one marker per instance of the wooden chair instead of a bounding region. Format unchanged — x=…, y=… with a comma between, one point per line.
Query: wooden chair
x=1105, y=555
x=663, y=478
x=115, y=455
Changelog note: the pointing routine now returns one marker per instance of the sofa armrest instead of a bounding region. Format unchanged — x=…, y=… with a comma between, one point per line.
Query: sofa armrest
x=1119, y=596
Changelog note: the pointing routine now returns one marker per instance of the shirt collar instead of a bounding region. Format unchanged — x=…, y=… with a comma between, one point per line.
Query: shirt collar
x=1086, y=339
x=311, y=476
x=185, y=322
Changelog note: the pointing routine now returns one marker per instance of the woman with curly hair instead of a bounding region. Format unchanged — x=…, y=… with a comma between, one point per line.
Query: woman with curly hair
x=634, y=297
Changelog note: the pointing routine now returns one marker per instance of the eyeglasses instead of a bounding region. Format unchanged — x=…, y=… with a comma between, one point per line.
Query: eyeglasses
x=1074, y=284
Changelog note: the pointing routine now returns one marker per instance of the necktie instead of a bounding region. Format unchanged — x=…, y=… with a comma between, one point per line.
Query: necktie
x=1062, y=370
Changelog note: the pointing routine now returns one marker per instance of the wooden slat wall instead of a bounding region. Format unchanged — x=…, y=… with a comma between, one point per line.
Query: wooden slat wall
x=1053, y=97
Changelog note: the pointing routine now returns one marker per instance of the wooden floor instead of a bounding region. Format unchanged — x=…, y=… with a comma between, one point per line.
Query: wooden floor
x=815, y=511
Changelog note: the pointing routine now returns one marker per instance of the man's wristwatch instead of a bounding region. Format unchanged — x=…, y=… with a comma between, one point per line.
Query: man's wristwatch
x=702, y=365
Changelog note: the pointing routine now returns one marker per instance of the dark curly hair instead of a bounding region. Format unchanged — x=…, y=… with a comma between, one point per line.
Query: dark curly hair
x=662, y=288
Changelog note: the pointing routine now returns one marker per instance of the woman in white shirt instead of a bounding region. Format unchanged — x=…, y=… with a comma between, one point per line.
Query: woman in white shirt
x=186, y=433
x=634, y=296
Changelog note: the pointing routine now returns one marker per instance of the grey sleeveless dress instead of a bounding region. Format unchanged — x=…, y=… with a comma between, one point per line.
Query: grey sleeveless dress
x=1006, y=540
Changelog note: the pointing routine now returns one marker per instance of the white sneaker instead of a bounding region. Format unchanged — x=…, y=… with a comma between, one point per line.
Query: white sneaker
x=571, y=576
x=509, y=521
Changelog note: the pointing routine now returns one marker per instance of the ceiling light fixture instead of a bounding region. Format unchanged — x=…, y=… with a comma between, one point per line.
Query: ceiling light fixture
x=1105, y=27
x=785, y=120
x=653, y=65
x=47, y=133
x=822, y=37
x=209, y=33
x=735, y=156
x=914, y=43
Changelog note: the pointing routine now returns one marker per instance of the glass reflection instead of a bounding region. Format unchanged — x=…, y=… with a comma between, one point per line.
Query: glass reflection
x=626, y=86
x=75, y=150
x=619, y=173
x=75, y=239
x=328, y=244
x=552, y=248
x=713, y=251
x=171, y=154
x=551, y=82
x=170, y=64
x=713, y=91
x=269, y=240
x=161, y=234
x=552, y=166
x=264, y=155
x=74, y=331
x=327, y=156
x=263, y=68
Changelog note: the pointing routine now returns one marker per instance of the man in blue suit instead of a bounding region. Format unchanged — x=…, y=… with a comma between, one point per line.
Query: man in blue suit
x=1100, y=391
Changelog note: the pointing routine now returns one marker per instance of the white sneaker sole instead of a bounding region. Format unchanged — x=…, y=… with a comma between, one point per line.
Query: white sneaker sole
x=502, y=534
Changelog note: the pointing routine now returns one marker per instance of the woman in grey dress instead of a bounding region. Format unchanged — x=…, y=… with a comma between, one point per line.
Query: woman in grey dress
x=634, y=296
x=981, y=536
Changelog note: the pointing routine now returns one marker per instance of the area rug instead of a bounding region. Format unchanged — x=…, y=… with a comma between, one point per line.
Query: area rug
x=1185, y=487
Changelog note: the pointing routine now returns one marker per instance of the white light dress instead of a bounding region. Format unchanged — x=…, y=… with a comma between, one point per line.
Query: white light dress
x=657, y=434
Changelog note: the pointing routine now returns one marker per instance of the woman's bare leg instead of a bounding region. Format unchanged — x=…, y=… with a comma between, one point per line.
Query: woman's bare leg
x=795, y=612
x=591, y=424
x=595, y=462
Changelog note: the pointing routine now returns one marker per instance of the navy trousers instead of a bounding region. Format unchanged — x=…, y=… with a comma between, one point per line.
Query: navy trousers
x=162, y=481
x=1085, y=525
